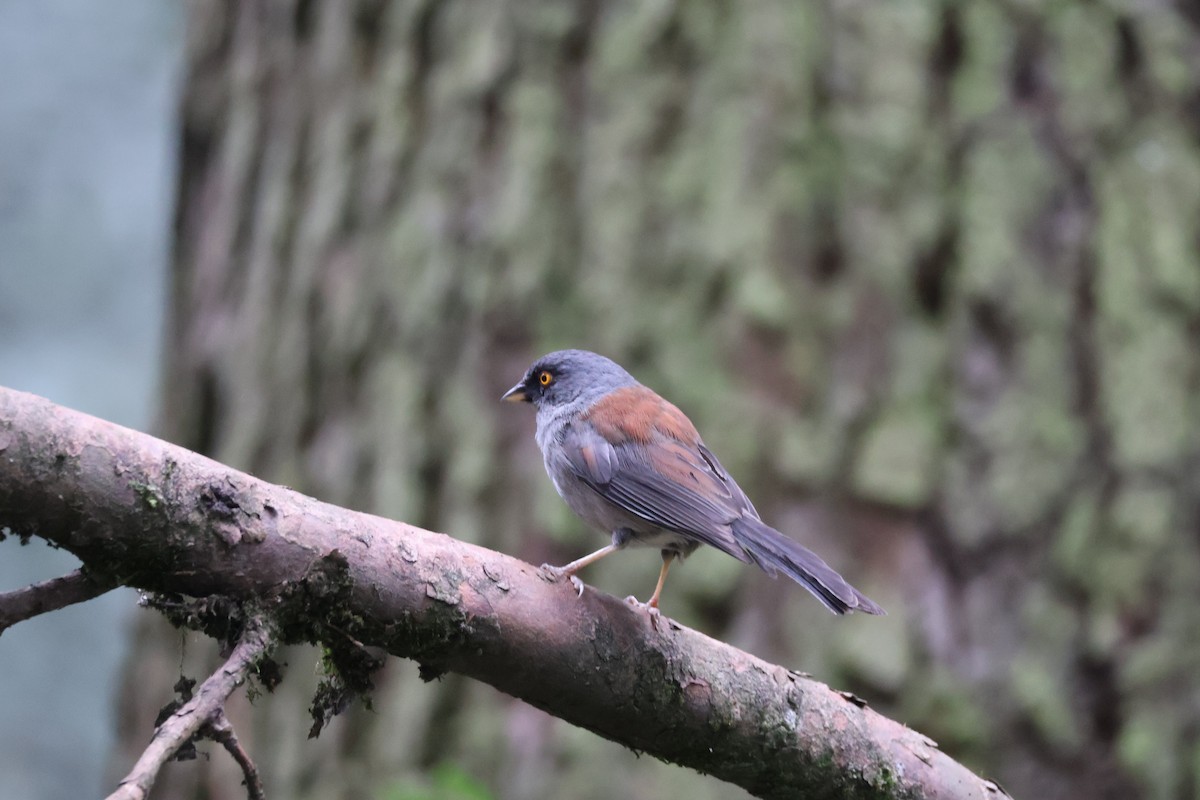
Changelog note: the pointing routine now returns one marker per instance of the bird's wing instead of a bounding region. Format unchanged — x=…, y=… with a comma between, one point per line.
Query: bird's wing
x=650, y=461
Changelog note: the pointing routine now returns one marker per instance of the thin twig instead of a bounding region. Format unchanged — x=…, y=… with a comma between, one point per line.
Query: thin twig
x=220, y=730
x=198, y=712
x=39, y=598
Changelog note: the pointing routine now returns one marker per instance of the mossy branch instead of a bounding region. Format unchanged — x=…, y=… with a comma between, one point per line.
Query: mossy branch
x=151, y=515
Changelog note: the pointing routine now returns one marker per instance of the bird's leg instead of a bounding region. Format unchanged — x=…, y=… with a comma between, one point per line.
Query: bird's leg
x=667, y=557
x=651, y=605
x=569, y=570
x=588, y=560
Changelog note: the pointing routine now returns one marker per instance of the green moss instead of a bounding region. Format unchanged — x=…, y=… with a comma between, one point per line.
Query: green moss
x=150, y=495
x=877, y=656
x=885, y=781
x=446, y=781
x=1083, y=36
x=1146, y=392
x=807, y=451
x=1004, y=184
x=954, y=715
x=1148, y=746
x=979, y=84
x=762, y=299
x=1041, y=698
x=896, y=462
x=1074, y=545
x=1144, y=515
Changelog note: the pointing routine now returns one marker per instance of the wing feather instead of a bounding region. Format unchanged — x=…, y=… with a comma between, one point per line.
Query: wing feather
x=666, y=482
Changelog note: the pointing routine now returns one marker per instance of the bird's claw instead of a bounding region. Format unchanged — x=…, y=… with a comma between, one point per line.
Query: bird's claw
x=555, y=574
x=655, y=615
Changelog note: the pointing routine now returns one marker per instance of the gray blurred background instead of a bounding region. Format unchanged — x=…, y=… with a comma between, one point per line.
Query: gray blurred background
x=87, y=161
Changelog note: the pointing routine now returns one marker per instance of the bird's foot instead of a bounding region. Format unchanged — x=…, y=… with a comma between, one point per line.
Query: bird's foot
x=555, y=574
x=650, y=608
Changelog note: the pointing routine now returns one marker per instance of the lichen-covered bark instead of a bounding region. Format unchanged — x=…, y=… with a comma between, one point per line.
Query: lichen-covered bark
x=922, y=273
x=144, y=513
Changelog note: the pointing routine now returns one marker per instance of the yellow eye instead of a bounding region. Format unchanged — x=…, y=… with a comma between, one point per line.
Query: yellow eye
x=545, y=378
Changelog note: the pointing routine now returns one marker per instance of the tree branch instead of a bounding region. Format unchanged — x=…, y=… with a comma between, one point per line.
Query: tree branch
x=165, y=519
x=204, y=710
x=220, y=730
x=39, y=598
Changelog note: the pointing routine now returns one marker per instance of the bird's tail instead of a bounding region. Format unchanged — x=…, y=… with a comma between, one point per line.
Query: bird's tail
x=774, y=552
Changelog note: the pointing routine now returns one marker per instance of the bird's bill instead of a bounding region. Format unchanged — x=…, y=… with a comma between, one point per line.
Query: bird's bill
x=516, y=394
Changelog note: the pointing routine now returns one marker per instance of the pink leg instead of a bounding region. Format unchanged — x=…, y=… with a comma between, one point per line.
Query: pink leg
x=580, y=563
x=662, y=578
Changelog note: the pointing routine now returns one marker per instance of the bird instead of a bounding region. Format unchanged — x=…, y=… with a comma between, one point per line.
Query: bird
x=631, y=464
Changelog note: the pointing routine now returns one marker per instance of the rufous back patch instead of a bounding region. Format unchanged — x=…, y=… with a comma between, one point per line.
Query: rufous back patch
x=635, y=413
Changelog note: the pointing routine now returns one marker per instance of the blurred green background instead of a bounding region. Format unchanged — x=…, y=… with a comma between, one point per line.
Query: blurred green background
x=926, y=276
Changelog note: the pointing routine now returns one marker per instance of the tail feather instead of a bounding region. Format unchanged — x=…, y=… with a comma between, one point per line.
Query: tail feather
x=774, y=552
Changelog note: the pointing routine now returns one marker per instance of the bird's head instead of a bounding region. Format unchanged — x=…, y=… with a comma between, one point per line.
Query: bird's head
x=567, y=377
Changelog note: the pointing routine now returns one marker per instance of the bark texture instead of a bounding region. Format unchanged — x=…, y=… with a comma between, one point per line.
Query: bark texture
x=923, y=274
x=158, y=517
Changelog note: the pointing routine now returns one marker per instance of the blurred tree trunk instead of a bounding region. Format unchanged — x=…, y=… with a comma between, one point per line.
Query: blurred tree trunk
x=924, y=274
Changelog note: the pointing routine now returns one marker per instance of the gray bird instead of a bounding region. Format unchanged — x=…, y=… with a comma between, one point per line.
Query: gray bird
x=631, y=464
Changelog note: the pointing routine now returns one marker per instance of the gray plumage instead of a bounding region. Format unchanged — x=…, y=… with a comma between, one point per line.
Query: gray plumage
x=631, y=464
